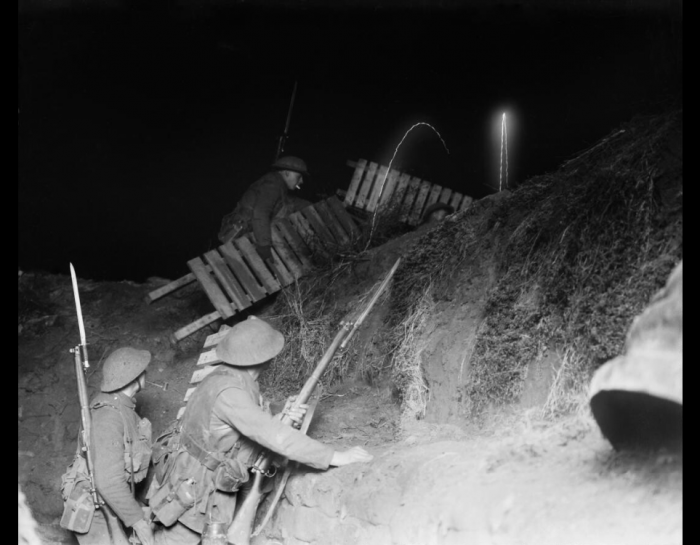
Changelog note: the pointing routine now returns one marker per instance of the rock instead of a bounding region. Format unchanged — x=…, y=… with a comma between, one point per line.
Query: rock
x=637, y=397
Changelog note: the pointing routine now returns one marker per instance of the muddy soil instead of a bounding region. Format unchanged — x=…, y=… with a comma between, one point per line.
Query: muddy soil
x=515, y=480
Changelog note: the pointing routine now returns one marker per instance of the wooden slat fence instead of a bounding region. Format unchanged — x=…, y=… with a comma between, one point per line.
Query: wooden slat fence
x=372, y=187
x=234, y=276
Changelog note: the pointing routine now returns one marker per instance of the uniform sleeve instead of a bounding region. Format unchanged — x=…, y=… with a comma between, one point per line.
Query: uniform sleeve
x=108, y=458
x=238, y=409
x=269, y=195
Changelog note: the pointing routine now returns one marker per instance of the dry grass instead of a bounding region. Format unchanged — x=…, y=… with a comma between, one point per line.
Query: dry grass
x=407, y=374
x=593, y=241
x=304, y=315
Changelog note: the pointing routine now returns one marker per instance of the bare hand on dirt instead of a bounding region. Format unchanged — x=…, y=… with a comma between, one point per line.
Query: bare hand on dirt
x=350, y=456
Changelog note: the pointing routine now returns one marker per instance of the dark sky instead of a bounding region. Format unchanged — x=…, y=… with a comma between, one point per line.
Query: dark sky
x=142, y=122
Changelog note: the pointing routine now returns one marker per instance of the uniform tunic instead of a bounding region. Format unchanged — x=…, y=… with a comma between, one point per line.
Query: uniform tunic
x=260, y=204
x=110, y=413
x=236, y=414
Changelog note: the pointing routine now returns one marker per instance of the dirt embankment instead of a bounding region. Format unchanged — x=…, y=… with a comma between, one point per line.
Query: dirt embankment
x=452, y=465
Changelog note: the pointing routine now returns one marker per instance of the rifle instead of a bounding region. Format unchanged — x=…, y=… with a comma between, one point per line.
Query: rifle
x=81, y=367
x=114, y=528
x=282, y=140
x=239, y=532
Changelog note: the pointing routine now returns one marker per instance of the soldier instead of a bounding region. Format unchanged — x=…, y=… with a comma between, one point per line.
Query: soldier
x=220, y=435
x=121, y=452
x=261, y=202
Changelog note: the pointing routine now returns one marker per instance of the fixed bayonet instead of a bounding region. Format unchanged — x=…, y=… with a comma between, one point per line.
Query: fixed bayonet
x=81, y=325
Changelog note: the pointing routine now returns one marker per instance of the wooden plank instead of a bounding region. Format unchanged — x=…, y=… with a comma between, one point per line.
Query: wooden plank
x=417, y=209
x=466, y=201
x=400, y=191
x=285, y=253
x=355, y=181
x=319, y=227
x=303, y=227
x=387, y=198
x=256, y=265
x=200, y=374
x=343, y=217
x=296, y=244
x=329, y=220
x=169, y=288
x=455, y=200
x=209, y=357
x=214, y=338
x=377, y=188
x=280, y=270
x=195, y=326
x=216, y=296
x=445, y=195
x=227, y=280
x=409, y=199
x=188, y=395
x=433, y=196
x=363, y=193
x=235, y=262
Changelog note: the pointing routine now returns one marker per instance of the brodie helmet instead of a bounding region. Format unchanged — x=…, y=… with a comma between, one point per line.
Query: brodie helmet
x=249, y=343
x=122, y=366
x=292, y=163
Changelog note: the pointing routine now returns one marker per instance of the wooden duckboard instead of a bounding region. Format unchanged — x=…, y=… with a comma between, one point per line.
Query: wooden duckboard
x=374, y=186
x=234, y=277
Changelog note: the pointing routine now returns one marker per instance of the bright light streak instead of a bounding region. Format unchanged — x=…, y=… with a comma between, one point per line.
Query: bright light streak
x=381, y=187
x=504, y=152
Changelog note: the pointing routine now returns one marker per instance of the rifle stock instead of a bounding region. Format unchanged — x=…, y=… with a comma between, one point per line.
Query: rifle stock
x=241, y=528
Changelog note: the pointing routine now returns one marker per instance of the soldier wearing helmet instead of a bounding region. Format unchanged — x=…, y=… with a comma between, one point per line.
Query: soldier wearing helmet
x=121, y=450
x=261, y=202
x=221, y=433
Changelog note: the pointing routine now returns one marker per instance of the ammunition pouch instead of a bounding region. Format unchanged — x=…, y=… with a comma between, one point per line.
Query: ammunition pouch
x=171, y=501
x=165, y=450
x=230, y=475
x=78, y=504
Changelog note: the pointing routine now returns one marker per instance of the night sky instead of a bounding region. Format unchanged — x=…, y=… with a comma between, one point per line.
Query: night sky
x=141, y=123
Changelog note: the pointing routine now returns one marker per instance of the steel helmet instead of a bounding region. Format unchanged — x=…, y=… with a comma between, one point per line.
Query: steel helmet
x=122, y=366
x=291, y=163
x=249, y=343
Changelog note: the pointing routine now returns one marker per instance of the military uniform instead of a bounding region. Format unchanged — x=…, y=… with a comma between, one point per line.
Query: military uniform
x=224, y=426
x=261, y=202
x=121, y=447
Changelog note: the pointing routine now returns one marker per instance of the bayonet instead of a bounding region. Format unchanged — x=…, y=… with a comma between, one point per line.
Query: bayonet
x=81, y=325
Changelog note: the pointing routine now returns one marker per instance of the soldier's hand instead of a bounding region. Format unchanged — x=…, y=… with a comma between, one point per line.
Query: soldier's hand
x=350, y=456
x=295, y=413
x=143, y=530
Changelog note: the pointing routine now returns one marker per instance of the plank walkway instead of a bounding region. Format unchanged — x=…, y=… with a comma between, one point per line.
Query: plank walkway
x=372, y=188
x=234, y=276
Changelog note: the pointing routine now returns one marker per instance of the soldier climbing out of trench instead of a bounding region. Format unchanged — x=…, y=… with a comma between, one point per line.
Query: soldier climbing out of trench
x=265, y=199
x=121, y=453
x=203, y=462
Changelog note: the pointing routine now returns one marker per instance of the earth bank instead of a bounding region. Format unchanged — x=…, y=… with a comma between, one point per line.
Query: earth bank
x=461, y=456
